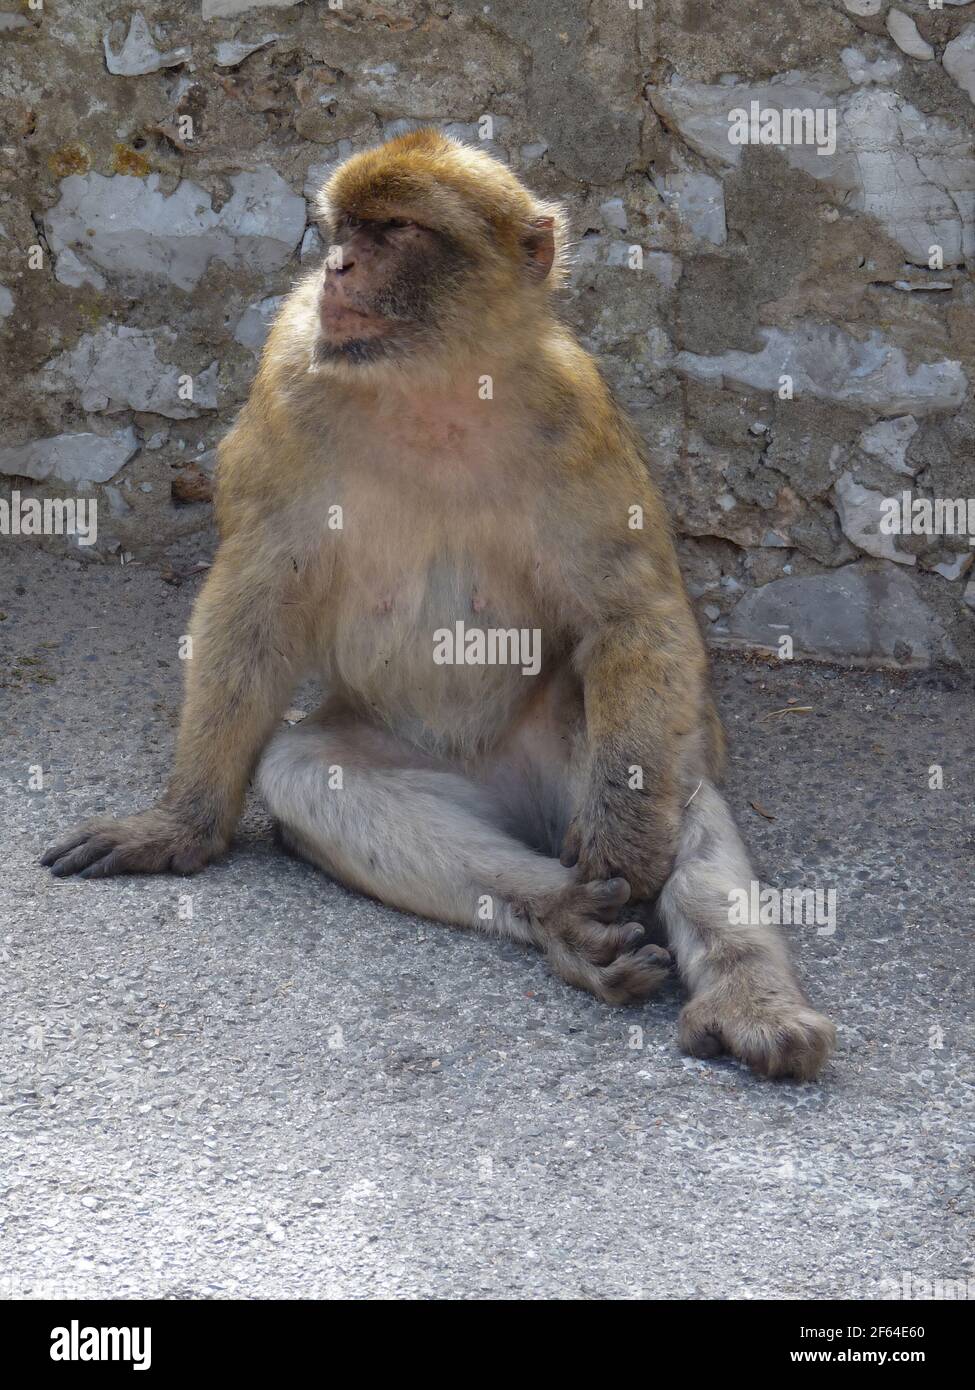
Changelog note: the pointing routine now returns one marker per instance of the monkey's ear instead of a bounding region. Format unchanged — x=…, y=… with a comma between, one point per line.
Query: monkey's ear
x=539, y=244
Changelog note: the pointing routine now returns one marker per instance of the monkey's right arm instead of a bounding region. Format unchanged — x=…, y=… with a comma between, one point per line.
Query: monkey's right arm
x=240, y=673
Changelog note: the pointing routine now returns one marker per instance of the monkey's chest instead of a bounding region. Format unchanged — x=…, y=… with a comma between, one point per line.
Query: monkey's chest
x=442, y=644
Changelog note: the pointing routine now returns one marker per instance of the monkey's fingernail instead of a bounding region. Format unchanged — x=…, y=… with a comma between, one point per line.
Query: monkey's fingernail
x=659, y=953
x=568, y=859
x=615, y=887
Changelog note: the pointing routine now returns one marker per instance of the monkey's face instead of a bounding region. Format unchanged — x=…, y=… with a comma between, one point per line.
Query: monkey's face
x=384, y=289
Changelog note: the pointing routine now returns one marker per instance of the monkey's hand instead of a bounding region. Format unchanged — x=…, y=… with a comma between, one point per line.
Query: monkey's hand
x=157, y=841
x=619, y=832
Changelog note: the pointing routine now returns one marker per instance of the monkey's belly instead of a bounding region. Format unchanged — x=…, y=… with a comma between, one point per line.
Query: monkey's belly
x=443, y=676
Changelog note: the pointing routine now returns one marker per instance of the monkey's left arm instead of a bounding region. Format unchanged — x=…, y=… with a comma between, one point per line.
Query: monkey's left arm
x=644, y=676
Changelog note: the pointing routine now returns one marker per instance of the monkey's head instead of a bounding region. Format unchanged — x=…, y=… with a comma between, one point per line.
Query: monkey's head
x=436, y=249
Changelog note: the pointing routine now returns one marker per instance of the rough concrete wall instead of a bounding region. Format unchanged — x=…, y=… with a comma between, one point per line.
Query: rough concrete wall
x=141, y=254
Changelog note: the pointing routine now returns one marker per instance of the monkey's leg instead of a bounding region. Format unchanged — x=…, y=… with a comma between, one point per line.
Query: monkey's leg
x=421, y=836
x=745, y=998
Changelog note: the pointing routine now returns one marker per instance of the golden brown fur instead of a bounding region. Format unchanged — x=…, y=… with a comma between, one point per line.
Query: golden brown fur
x=465, y=783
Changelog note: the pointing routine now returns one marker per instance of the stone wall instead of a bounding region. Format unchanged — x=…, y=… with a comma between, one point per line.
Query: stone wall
x=774, y=314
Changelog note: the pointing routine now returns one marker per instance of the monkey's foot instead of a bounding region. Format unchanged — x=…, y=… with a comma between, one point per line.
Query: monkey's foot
x=777, y=1034
x=151, y=842
x=584, y=947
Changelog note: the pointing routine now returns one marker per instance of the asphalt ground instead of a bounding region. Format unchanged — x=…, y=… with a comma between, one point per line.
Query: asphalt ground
x=256, y=1084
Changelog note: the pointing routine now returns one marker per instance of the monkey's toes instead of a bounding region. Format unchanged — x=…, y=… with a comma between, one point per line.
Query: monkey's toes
x=51, y=856
x=601, y=898
x=146, y=843
x=775, y=1037
x=79, y=855
x=633, y=977
x=583, y=918
x=627, y=978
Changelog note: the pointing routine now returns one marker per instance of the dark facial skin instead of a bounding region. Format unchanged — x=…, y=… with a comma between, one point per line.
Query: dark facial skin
x=383, y=298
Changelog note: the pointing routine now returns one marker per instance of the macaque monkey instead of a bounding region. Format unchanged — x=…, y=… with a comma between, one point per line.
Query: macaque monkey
x=427, y=452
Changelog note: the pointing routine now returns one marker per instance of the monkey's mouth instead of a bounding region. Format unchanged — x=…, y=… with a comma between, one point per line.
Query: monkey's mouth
x=340, y=320
x=352, y=337
x=354, y=333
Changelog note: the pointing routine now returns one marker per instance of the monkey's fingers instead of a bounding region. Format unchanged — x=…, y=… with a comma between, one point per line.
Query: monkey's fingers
x=77, y=855
x=628, y=978
x=633, y=977
x=56, y=852
x=602, y=944
x=151, y=842
x=584, y=922
x=603, y=898
x=117, y=861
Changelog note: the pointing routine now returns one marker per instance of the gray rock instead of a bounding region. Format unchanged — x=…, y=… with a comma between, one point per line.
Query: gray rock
x=319, y=172
x=140, y=237
x=698, y=200
x=888, y=441
x=69, y=270
x=139, y=54
x=701, y=112
x=254, y=323
x=925, y=286
x=914, y=172
x=859, y=613
x=826, y=362
x=71, y=458
x=312, y=246
x=117, y=504
x=591, y=250
x=862, y=70
x=233, y=52
x=959, y=60
x=904, y=32
x=617, y=253
x=118, y=368
x=224, y=9
x=860, y=510
x=613, y=213
x=732, y=240
x=953, y=568
x=664, y=267
x=465, y=131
